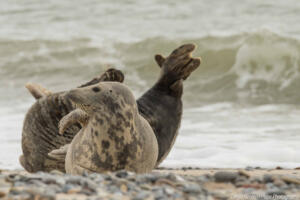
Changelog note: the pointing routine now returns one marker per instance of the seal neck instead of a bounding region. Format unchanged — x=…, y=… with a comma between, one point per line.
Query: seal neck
x=170, y=85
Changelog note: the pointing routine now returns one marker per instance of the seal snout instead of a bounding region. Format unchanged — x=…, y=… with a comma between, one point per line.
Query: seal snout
x=73, y=96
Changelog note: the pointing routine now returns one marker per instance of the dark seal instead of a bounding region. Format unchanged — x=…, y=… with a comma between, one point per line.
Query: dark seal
x=161, y=105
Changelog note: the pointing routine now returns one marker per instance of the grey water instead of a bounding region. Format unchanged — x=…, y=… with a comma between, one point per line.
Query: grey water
x=241, y=106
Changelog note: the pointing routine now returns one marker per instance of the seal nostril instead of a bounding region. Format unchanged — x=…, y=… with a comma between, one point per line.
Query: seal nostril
x=96, y=89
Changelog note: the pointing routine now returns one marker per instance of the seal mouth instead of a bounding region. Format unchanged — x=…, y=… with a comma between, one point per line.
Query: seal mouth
x=82, y=106
x=76, y=101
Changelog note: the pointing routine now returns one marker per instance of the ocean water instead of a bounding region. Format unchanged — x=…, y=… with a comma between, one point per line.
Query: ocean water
x=241, y=106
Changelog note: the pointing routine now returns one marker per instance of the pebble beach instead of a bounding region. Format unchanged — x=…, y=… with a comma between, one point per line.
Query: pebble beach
x=210, y=184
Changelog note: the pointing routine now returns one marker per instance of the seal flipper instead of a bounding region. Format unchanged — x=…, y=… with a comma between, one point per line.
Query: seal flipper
x=111, y=74
x=190, y=67
x=37, y=90
x=179, y=64
x=59, y=154
x=73, y=117
x=159, y=60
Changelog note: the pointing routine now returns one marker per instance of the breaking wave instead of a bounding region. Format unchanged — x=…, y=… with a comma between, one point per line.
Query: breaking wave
x=258, y=68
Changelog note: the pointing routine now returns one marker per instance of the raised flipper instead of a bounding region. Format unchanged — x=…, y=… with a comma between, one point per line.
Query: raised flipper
x=159, y=60
x=37, y=90
x=111, y=74
x=179, y=62
x=73, y=117
x=59, y=154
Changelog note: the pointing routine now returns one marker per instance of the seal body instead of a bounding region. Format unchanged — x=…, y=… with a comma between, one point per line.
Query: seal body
x=161, y=105
x=40, y=133
x=115, y=136
x=164, y=113
x=40, y=127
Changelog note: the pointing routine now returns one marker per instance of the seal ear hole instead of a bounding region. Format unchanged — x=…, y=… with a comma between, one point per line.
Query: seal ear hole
x=96, y=89
x=110, y=91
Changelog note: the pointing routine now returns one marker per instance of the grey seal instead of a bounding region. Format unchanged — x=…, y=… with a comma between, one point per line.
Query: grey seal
x=161, y=105
x=40, y=134
x=113, y=136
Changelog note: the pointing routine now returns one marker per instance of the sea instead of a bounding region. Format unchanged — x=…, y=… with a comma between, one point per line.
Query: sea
x=241, y=106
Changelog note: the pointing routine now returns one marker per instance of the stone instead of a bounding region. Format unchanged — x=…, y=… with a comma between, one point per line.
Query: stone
x=142, y=195
x=224, y=176
x=275, y=192
x=289, y=179
x=279, y=183
x=191, y=188
x=267, y=178
x=2, y=194
x=121, y=174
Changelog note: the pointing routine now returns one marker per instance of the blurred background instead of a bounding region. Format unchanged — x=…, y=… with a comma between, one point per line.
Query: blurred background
x=241, y=106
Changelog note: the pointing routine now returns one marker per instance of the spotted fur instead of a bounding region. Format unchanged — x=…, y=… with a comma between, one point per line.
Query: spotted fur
x=115, y=137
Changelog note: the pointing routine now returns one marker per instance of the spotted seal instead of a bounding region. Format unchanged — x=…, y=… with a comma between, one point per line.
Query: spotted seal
x=114, y=135
x=40, y=127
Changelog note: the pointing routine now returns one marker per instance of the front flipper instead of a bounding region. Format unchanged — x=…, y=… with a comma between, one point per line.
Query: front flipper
x=73, y=117
x=59, y=154
x=111, y=74
x=179, y=63
x=37, y=90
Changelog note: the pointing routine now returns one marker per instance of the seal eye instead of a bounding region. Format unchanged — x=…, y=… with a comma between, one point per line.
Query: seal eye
x=96, y=89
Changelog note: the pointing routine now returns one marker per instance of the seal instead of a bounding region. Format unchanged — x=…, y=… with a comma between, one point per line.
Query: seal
x=40, y=134
x=161, y=105
x=113, y=136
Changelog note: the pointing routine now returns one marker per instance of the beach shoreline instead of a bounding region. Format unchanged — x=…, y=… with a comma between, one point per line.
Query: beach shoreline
x=208, y=183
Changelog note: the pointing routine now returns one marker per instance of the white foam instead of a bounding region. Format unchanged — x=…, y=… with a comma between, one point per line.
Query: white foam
x=250, y=140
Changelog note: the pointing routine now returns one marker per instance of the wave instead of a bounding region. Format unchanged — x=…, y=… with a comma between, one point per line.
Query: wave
x=257, y=68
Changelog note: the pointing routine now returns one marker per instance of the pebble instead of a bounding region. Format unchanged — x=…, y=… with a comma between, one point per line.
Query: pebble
x=275, y=191
x=142, y=195
x=267, y=178
x=191, y=188
x=241, y=179
x=248, y=168
x=2, y=194
x=128, y=185
x=224, y=176
x=122, y=174
x=279, y=183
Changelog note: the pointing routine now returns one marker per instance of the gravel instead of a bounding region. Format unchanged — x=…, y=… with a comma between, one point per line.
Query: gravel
x=156, y=185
